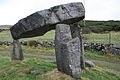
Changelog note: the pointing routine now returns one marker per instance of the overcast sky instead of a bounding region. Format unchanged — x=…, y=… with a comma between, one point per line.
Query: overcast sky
x=13, y=10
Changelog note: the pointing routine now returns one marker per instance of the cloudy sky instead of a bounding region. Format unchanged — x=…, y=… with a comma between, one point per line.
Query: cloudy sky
x=13, y=10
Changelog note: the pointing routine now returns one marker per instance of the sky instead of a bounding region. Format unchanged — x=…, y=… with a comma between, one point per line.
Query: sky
x=13, y=10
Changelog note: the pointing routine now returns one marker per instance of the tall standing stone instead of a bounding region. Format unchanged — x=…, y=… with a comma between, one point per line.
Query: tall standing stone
x=76, y=31
x=71, y=57
x=67, y=51
x=17, y=53
x=62, y=34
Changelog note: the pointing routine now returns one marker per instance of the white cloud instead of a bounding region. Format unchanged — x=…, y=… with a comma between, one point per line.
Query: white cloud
x=102, y=9
x=13, y=10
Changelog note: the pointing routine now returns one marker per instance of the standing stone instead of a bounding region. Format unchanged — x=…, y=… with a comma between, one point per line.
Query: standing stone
x=67, y=51
x=62, y=34
x=76, y=31
x=17, y=53
x=71, y=57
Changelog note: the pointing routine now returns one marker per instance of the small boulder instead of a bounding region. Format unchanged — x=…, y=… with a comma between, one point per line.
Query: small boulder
x=89, y=64
x=35, y=71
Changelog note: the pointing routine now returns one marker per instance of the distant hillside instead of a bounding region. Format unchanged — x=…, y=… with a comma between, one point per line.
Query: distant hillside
x=100, y=26
x=5, y=25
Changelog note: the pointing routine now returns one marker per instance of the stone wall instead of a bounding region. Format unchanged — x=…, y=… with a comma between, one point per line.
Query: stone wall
x=105, y=48
x=35, y=43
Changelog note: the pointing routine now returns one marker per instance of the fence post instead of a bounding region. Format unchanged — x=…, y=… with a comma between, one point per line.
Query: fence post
x=110, y=36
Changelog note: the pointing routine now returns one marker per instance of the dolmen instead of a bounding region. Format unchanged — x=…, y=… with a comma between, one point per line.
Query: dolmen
x=68, y=41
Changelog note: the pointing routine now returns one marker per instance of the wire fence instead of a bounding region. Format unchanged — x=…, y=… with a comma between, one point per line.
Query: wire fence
x=109, y=38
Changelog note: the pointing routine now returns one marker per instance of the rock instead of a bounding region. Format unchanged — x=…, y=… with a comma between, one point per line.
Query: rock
x=115, y=51
x=89, y=64
x=67, y=51
x=1, y=42
x=62, y=34
x=76, y=31
x=38, y=23
x=35, y=71
x=17, y=53
x=71, y=58
x=116, y=46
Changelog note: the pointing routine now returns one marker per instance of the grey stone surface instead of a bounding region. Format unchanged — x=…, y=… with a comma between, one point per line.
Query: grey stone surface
x=17, y=53
x=62, y=34
x=89, y=64
x=115, y=51
x=67, y=51
x=116, y=46
x=71, y=58
x=76, y=31
x=38, y=23
x=36, y=71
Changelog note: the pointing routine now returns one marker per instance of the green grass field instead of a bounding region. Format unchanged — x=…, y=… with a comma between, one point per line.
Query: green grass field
x=103, y=37
x=6, y=36
x=16, y=70
x=34, y=52
x=92, y=37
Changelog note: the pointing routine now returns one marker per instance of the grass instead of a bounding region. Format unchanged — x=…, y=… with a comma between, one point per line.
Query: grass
x=92, y=37
x=6, y=36
x=29, y=51
x=99, y=74
x=5, y=48
x=100, y=56
x=48, y=36
x=51, y=51
x=108, y=66
x=103, y=37
x=39, y=50
x=17, y=70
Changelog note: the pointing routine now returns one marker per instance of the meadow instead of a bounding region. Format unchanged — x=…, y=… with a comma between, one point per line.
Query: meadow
x=112, y=37
x=40, y=63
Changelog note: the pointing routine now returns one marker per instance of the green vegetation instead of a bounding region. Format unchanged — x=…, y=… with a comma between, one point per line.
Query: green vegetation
x=108, y=66
x=102, y=37
x=105, y=61
x=6, y=36
x=95, y=55
x=92, y=37
x=39, y=50
x=99, y=31
x=99, y=74
x=16, y=70
x=100, y=26
x=48, y=36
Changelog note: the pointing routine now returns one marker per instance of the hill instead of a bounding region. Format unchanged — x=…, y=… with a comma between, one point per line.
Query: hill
x=100, y=26
x=6, y=26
